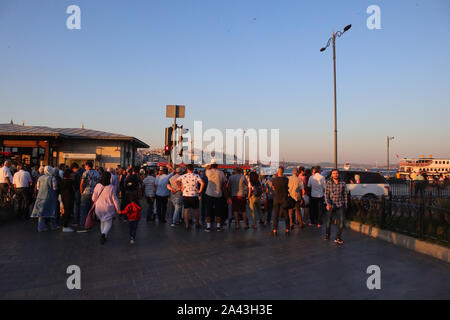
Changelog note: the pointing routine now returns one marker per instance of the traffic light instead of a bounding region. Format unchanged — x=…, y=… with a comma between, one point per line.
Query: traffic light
x=169, y=132
x=167, y=149
x=169, y=142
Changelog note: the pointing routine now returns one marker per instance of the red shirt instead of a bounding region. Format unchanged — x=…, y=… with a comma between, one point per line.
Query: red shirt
x=133, y=212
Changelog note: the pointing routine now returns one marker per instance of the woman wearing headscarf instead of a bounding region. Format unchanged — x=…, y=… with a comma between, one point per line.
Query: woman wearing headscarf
x=45, y=205
x=106, y=204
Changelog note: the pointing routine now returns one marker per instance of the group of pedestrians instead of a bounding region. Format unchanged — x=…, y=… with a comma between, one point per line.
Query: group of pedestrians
x=207, y=199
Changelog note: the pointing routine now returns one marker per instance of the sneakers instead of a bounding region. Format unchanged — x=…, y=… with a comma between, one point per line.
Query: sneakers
x=218, y=229
x=103, y=238
x=67, y=229
x=173, y=225
x=327, y=237
x=83, y=230
x=339, y=241
x=132, y=241
x=208, y=230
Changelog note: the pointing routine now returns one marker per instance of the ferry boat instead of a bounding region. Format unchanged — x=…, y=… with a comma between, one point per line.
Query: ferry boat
x=428, y=165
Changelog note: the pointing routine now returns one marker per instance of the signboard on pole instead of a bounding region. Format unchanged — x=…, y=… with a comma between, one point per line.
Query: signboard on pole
x=175, y=111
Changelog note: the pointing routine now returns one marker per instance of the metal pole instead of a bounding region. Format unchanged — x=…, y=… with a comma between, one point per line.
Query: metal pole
x=243, y=147
x=174, y=135
x=335, y=103
x=192, y=151
x=388, y=175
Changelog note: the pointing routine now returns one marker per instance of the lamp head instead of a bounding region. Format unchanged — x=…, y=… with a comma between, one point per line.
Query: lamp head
x=347, y=27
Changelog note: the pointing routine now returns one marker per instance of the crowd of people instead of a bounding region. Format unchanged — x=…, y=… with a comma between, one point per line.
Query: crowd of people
x=71, y=198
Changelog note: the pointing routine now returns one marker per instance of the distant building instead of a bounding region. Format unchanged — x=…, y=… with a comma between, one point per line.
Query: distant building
x=37, y=145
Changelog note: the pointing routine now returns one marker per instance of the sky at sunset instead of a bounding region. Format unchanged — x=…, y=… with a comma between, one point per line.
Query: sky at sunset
x=235, y=64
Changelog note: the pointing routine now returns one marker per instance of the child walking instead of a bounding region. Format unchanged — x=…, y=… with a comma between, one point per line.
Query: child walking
x=133, y=212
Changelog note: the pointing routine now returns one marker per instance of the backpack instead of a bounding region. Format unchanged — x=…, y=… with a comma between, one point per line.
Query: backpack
x=257, y=190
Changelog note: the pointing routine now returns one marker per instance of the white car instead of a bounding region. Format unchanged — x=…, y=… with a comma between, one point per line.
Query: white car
x=371, y=185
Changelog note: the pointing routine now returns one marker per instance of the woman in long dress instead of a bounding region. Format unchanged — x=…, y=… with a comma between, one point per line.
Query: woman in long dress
x=47, y=197
x=106, y=204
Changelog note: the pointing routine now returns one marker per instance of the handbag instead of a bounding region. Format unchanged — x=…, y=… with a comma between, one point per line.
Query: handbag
x=289, y=203
x=90, y=219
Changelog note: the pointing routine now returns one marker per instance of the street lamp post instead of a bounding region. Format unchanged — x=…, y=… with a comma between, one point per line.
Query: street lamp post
x=388, y=139
x=333, y=40
x=243, y=147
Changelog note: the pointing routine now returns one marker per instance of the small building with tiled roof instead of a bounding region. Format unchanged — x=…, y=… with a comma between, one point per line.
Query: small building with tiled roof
x=39, y=145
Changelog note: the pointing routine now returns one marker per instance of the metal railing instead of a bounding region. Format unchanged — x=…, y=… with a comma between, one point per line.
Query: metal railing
x=407, y=189
x=421, y=219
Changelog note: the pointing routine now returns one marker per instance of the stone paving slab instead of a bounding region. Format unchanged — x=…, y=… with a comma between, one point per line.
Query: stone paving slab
x=167, y=263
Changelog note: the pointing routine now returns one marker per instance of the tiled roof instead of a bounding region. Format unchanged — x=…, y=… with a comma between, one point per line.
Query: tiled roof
x=8, y=129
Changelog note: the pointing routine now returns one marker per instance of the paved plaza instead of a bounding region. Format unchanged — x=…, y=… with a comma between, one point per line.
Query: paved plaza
x=167, y=263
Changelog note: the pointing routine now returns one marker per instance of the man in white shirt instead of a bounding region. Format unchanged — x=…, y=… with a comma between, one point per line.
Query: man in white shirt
x=6, y=179
x=317, y=184
x=149, y=191
x=189, y=186
x=22, y=182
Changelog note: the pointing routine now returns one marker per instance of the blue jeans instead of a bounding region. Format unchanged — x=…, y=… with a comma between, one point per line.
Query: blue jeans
x=177, y=202
x=43, y=224
x=340, y=214
x=150, y=209
x=85, y=206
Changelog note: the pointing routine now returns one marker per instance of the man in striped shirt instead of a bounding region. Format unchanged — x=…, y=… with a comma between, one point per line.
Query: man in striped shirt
x=336, y=199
